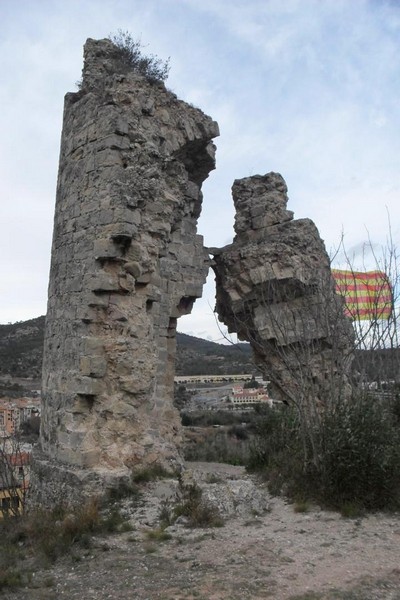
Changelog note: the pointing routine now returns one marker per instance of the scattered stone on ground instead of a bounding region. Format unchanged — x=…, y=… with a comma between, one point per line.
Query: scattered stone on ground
x=264, y=550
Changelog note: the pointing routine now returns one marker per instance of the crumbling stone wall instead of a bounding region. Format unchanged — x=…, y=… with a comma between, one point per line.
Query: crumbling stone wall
x=126, y=263
x=275, y=289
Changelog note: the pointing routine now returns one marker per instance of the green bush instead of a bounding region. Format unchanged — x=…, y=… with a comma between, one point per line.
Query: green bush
x=30, y=541
x=206, y=418
x=131, y=58
x=114, y=521
x=360, y=454
x=123, y=489
x=158, y=535
x=348, y=455
x=33, y=540
x=150, y=473
x=10, y=578
x=219, y=447
x=190, y=503
x=277, y=450
x=53, y=533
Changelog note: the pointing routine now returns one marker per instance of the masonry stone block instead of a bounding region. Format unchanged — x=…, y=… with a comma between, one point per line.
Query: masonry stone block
x=132, y=161
x=275, y=290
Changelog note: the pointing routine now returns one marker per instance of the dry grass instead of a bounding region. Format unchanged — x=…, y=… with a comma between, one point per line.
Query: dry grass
x=40, y=537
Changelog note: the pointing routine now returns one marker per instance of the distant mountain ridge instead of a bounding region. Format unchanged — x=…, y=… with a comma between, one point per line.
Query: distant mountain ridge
x=21, y=347
x=196, y=356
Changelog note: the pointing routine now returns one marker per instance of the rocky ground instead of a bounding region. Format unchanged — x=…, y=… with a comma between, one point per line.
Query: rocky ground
x=264, y=550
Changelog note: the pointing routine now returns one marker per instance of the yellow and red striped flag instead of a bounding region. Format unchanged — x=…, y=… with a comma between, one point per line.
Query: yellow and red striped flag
x=367, y=296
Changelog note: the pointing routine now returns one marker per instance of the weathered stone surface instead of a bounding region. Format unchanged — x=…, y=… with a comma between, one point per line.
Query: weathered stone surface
x=126, y=263
x=275, y=289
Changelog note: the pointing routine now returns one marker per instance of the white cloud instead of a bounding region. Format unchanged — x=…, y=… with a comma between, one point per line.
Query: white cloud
x=303, y=87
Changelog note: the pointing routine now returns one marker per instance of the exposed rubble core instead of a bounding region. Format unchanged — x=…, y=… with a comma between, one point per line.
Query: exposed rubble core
x=275, y=289
x=126, y=263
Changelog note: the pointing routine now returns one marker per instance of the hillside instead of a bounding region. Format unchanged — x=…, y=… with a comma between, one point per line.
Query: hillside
x=21, y=347
x=196, y=356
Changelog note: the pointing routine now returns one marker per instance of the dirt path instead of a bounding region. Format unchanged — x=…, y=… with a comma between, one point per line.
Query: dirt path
x=265, y=550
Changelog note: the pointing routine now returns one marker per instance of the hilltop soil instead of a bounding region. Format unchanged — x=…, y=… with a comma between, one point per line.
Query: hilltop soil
x=264, y=550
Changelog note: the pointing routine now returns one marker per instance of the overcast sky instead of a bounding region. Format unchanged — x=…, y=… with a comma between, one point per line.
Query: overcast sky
x=306, y=88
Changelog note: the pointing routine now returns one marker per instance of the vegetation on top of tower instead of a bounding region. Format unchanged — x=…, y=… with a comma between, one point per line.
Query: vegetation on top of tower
x=132, y=59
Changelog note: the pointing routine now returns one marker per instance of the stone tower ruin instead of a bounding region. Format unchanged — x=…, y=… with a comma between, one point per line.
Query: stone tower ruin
x=275, y=290
x=126, y=263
